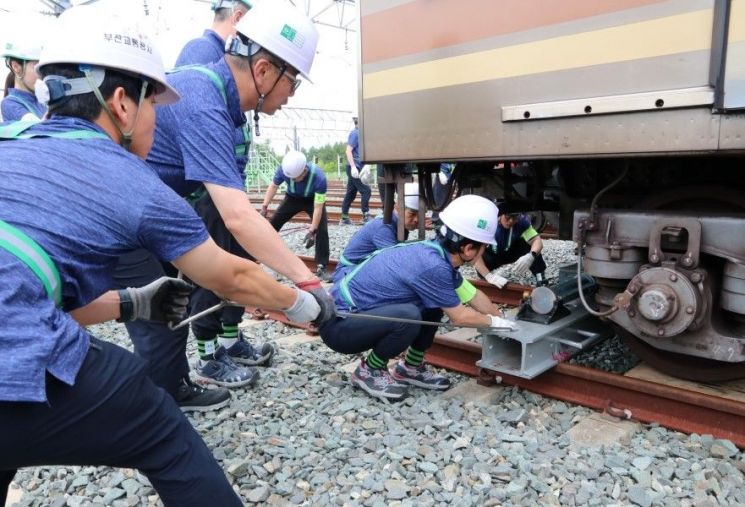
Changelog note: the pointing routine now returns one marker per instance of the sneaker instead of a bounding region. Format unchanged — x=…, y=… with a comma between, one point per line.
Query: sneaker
x=243, y=352
x=324, y=275
x=224, y=372
x=345, y=221
x=378, y=383
x=193, y=398
x=420, y=376
x=366, y=218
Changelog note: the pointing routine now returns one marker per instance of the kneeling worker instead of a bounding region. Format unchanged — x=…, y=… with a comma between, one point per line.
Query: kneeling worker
x=416, y=281
x=516, y=241
x=306, y=191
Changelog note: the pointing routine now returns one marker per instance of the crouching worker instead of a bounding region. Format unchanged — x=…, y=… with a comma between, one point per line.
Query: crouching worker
x=516, y=242
x=416, y=281
x=66, y=397
x=306, y=191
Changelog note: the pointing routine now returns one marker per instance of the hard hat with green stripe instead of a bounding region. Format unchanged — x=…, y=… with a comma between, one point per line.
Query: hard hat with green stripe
x=472, y=217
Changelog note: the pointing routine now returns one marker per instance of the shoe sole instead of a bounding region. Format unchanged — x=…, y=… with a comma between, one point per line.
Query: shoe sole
x=241, y=383
x=204, y=408
x=377, y=394
x=416, y=383
x=263, y=361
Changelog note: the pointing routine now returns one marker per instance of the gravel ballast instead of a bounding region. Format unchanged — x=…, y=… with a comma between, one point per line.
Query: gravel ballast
x=305, y=436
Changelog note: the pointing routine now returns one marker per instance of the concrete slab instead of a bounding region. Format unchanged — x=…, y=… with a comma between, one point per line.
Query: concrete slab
x=290, y=341
x=14, y=494
x=473, y=392
x=601, y=429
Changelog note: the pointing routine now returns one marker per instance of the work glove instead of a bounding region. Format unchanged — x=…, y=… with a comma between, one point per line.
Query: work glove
x=163, y=300
x=264, y=211
x=304, y=309
x=355, y=172
x=310, y=238
x=495, y=279
x=502, y=323
x=323, y=298
x=443, y=178
x=365, y=176
x=522, y=265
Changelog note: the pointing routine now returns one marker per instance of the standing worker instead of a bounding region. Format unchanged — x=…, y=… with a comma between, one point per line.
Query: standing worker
x=306, y=191
x=223, y=324
x=417, y=281
x=194, y=154
x=21, y=56
x=516, y=241
x=354, y=184
x=66, y=397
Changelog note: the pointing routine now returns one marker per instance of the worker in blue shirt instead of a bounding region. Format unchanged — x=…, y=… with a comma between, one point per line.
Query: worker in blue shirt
x=67, y=397
x=306, y=191
x=354, y=183
x=223, y=324
x=516, y=243
x=416, y=281
x=376, y=234
x=193, y=153
x=21, y=56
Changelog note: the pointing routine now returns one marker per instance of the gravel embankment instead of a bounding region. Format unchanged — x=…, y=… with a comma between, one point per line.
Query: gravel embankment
x=304, y=436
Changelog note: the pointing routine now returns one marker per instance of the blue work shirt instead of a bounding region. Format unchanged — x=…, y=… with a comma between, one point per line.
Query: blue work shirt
x=19, y=103
x=373, y=236
x=85, y=203
x=414, y=273
x=354, y=141
x=522, y=229
x=194, y=137
x=314, y=183
x=210, y=48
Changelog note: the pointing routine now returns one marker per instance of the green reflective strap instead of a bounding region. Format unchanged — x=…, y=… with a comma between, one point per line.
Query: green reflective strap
x=25, y=104
x=30, y=253
x=242, y=148
x=210, y=74
x=291, y=185
x=345, y=262
x=309, y=183
x=16, y=130
x=319, y=198
x=466, y=292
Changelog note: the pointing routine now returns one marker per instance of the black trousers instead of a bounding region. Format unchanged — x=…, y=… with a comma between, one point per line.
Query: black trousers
x=386, y=339
x=354, y=185
x=493, y=260
x=209, y=326
x=291, y=206
x=113, y=416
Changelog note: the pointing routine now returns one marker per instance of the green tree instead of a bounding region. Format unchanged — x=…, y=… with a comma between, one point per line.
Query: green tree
x=327, y=157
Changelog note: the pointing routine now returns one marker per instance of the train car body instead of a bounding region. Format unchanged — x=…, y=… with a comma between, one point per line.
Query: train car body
x=634, y=109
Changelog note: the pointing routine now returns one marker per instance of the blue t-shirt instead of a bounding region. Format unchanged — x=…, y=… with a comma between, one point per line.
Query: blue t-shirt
x=354, y=141
x=194, y=137
x=413, y=273
x=84, y=202
x=313, y=183
x=522, y=229
x=210, y=48
x=373, y=236
x=19, y=103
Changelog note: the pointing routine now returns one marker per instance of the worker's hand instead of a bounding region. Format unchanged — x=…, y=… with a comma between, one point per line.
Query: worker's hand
x=323, y=298
x=163, y=300
x=305, y=308
x=495, y=279
x=310, y=238
x=355, y=172
x=500, y=322
x=264, y=210
x=523, y=264
x=443, y=178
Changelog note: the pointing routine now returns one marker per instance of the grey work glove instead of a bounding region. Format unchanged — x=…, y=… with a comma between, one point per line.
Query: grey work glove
x=323, y=298
x=163, y=300
x=310, y=238
x=496, y=279
x=500, y=322
x=304, y=309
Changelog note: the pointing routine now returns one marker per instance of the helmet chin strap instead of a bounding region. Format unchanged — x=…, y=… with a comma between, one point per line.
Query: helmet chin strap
x=257, y=110
x=125, y=137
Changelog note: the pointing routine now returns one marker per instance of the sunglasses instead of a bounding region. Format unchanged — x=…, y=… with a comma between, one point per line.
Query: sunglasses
x=295, y=81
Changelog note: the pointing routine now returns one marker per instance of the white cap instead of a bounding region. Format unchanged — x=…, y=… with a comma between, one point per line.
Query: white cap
x=473, y=217
x=89, y=35
x=293, y=164
x=284, y=31
x=23, y=46
x=229, y=4
x=411, y=195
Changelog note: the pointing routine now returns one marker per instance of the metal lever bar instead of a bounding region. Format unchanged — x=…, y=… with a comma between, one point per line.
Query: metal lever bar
x=414, y=321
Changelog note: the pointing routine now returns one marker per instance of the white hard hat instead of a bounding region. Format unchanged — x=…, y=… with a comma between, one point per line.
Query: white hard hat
x=293, y=164
x=473, y=217
x=284, y=31
x=229, y=4
x=88, y=35
x=411, y=195
x=24, y=46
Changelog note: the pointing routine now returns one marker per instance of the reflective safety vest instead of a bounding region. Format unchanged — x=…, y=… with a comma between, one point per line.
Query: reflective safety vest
x=14, y=240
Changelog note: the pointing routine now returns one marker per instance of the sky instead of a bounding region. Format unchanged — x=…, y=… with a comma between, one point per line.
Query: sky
x=175, y=22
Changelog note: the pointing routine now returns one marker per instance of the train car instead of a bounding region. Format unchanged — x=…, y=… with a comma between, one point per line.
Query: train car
x=627, y=117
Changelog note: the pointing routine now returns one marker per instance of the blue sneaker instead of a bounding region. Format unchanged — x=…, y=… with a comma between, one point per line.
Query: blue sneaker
x=420, y=376
x=222, y=371
x=243, y=352
x=378, y=383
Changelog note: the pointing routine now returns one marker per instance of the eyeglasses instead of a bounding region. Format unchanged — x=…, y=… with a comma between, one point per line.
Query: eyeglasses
x=295, y=81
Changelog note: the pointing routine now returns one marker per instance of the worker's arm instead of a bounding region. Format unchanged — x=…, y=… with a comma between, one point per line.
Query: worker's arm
x=480, y=267
x=315, y=220
x=350, y=157
x=462, y=315
x=255, y=234
x=536, y=244
x=99, y=310
x=482, y=304
x=271, y=190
